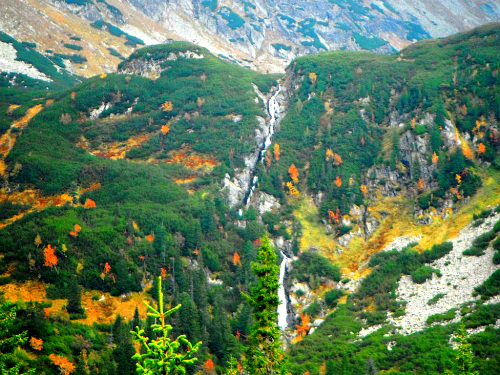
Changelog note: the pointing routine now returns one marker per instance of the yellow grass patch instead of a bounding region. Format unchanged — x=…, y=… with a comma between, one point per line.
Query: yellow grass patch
x=192, y=161
x=396, y=220
x=104, y=311
x=34, y=199
x=8, y=139
x=181, y=181
x=115, y=150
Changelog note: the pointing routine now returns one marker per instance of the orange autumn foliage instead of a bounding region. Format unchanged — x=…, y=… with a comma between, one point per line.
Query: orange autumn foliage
x=165, y=129
x=236, y=259
x=36, y=344
x=196, y=251
x=434, y=158
x=294, y=173
x=458, y=178
x=337, y=160
x=268, y=160
x=74, y=234
x=77, y=228
x=421, y=184
x=313, y=77
x=38, y=240
x=481, y=149
x=364, y=189
x=334, y=216
x=303, y=328
x=50, y=256
x=338, y=181
x=467, y=151
x=150, y=238
x=107, y=267
x=363, y=142
x=163, y=273
x=277, y=152
x=65, y=366
x=89, y=203
x=209, y=366
x=167, y=106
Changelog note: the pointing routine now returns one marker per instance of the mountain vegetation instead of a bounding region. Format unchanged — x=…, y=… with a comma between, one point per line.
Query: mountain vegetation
x=111, y=181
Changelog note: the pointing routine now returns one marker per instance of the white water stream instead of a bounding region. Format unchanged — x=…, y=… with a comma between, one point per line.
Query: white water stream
x=282, y=308
x=273, y=108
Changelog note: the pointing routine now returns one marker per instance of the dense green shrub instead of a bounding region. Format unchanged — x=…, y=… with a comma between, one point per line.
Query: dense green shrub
x=73, y=46
x=449, y=315
x=313, y=309
x=491, y=287
x=332, y=296
x=423, y=273
x=311, y=263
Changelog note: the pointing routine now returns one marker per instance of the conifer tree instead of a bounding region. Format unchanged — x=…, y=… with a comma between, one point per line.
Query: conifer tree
x=464, y=357
x=74, y=297
x=263, y=353
x=163, y=356
x=136, y=321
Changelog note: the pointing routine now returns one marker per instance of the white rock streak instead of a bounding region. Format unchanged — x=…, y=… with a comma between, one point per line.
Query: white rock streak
x=8, y=63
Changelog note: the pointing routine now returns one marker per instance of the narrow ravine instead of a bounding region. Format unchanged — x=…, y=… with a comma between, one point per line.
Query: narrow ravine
x=274, y=108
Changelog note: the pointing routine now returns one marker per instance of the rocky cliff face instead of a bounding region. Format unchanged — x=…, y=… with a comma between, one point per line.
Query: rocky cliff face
x=260, y=34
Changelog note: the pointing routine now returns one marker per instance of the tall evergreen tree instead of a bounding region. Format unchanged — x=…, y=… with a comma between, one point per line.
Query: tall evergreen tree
x=222, y=343
x=136, y=321
x=124, y=349
x=189, y=323
x=264, y=354
x=74, y=297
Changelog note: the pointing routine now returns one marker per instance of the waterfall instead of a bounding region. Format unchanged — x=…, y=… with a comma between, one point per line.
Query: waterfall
x=273, y=108
x=283, y=306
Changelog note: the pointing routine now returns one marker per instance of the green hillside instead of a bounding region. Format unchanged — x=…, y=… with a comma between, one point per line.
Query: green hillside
x=110, y=182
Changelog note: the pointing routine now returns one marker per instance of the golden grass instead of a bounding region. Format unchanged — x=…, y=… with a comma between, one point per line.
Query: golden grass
x=8, y=139
x=396, y=219
x=97, y=311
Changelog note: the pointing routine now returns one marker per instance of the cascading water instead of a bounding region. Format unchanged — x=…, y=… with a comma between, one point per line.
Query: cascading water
x=282, y=308
x=273, y=108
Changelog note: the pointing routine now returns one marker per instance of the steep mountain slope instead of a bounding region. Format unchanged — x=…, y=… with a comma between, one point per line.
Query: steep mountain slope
x=132, y=160
x=262, y=34
x=130, y=175
x=389, y=152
